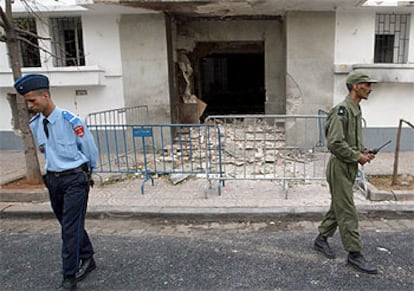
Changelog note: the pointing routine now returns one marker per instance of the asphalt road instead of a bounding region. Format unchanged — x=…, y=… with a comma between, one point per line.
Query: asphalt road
x=270, y=255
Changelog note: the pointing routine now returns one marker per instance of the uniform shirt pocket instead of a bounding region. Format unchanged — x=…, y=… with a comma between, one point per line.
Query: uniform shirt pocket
x=67, y=148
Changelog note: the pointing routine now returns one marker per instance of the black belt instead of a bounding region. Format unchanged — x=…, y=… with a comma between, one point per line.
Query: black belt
x=79, y=169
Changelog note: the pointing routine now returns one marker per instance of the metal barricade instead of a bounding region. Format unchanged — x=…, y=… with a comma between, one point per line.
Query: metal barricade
x=284, y=148
x=127, y=115
x=158, y=149
x=321, y=125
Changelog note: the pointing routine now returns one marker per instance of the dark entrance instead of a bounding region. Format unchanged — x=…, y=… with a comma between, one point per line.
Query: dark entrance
x=231, y=79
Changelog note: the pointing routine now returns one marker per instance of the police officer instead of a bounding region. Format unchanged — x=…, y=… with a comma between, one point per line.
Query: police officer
x=343, y=132
x=71, y=155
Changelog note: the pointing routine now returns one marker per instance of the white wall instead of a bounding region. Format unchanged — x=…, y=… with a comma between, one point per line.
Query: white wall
x=310, y=55
x=354, y=47
x=354, y=44
x=145, y=64
x=354, y=37
x=102, y=49
x=388, y=103
x=102, y=43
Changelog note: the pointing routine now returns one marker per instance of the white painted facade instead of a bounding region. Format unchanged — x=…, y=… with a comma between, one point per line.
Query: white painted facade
x=127, y=62
x=101, y=77
x=390, y=99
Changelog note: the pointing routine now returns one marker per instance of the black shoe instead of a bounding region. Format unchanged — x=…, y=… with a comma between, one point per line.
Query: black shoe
x=321, y=245
x=87, y=266
x=68, y=284
x=361, y=264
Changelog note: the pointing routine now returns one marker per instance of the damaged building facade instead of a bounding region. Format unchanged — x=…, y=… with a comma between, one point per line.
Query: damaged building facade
x=186, y=60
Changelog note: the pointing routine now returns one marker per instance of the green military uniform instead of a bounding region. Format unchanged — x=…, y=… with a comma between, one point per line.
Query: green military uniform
x=344, y=139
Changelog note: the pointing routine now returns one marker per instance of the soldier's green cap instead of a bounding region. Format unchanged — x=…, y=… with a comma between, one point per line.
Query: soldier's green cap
x=357, y=77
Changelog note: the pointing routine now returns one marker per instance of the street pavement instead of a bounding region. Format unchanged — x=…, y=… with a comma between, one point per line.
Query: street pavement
x=183, y=241
x=163, y=255
x=117, y=196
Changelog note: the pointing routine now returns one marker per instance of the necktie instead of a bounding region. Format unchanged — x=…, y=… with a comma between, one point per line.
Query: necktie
x=45, y=122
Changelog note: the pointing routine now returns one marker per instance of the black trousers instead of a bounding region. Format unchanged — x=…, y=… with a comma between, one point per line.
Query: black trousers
x=69, y=199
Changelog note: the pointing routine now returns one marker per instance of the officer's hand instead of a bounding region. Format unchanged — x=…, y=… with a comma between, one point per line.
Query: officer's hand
x=90, y=179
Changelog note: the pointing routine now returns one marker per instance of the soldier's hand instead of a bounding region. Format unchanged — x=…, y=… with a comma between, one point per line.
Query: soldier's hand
x=371, y=155
x=366, y=157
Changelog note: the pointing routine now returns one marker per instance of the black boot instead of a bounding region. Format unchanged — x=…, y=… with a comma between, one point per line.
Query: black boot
x=87, y=266
x=68, y=283
x=357, y=261
x=321, y=245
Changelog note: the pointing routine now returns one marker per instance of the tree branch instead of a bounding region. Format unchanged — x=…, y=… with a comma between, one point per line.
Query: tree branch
x=36, y=46
x=29, y=33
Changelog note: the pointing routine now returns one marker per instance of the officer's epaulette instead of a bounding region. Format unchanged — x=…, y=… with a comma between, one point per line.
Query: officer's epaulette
x=36, y=116
x=75, y=122
x=341, y=110
x=73, y=119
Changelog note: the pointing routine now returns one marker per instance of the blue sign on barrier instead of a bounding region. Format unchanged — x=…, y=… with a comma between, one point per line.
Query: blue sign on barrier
x=141, y=132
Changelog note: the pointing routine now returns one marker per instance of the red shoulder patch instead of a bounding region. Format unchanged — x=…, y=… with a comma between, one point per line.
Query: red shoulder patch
x=79, y=130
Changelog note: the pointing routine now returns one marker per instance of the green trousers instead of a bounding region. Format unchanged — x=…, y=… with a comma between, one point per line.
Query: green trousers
x=342, y=213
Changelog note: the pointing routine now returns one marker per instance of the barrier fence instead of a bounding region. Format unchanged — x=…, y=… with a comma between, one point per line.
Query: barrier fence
x=127, y=115
x=158, y=149
x=284, y=148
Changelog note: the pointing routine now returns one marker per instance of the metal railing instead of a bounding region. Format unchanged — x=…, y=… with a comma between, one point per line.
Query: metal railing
x=284, y=148
x=127, y=115
x=158, y=149
x=397, y=149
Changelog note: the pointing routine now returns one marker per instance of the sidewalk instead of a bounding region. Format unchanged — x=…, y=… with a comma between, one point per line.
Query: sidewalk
x=239, y=199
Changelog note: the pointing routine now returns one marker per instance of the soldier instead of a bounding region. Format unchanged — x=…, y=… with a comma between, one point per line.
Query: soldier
x=71, y=155
x=343, y=132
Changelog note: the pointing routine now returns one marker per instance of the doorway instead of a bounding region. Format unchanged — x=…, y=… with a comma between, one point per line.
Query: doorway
x=231, y=78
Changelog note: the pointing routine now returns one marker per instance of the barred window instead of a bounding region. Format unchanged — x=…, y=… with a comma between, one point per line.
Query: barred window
x=28, y=45
x=391, y=38
x=67, y=41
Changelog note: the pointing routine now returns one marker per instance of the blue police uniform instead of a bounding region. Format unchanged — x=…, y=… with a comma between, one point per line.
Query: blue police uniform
x=70, y=153
x=70, y=143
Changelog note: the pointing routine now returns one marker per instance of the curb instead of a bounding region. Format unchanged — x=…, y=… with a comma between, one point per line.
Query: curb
x=24, y=195
x=375, y=194
x=209, y=214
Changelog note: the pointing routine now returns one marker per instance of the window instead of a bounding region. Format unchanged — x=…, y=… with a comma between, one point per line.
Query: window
x=67, y=41
x=391, y=38
x=29, y=54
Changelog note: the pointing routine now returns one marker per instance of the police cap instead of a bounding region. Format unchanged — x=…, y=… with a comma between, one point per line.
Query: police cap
x=357, y=77
x=31, y=82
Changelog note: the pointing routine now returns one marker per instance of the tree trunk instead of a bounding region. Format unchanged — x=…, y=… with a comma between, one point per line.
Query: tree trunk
x=33, y=174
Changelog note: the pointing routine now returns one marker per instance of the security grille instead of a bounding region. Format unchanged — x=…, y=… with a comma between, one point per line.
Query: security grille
x=391, y=38
x=67, y=41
